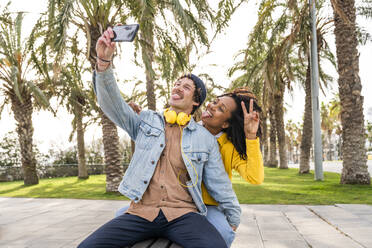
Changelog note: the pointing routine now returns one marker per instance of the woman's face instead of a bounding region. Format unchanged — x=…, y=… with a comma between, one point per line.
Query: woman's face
x=218, y=112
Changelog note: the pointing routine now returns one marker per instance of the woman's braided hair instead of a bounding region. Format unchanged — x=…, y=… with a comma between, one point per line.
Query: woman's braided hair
x=235, y=130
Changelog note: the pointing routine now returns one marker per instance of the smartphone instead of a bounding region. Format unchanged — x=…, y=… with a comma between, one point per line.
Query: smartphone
x=125, y=32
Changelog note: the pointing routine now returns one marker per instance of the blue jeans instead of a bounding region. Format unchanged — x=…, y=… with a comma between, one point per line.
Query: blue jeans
x=215, y=217
x=191, y=230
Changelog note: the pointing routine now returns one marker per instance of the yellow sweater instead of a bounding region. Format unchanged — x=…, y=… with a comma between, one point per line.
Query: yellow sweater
x=251, y=169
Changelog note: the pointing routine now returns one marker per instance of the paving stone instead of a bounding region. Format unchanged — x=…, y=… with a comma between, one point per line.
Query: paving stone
x=26, y=222
x=286, y=244
x=280, y=235
x=331, y=241
x=249, y=241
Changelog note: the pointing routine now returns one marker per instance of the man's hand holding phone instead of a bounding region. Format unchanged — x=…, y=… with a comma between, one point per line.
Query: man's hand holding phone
x=105, y=46
x=105, y=49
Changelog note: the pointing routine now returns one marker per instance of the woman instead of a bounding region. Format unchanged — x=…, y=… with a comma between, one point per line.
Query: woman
x=227, y=118
x=237, y=132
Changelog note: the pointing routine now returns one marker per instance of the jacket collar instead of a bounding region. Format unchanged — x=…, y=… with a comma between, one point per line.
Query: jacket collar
x=192, y=124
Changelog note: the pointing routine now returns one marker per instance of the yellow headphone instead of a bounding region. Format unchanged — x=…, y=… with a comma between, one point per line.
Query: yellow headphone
x=172, y=117
x=181, y=119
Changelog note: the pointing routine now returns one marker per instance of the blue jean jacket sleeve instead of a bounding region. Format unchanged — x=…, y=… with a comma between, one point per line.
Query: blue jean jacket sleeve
x=220, y=188
x=113, y=104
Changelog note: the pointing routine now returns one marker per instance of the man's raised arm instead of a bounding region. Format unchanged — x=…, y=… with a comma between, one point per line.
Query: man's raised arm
x=107, y=91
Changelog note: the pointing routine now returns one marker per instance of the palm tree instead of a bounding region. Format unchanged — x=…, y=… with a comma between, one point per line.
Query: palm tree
x=90, y=18
x=338, y=130
x=283, y=60
x=160, y=38
x=19, y=90
x=252, y=67
x=369, y=134
x=324, y=53
x=307, y=131
x=335, y=112
x=272, y=162
x=365, y=8
x=76, y=99
x=273, y=64
x=67, y=84
x=292, y=138
x=327, y=125
x=355, y=169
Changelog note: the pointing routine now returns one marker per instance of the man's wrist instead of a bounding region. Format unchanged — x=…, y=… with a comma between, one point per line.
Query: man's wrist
x=104, y=60
x=102, y=66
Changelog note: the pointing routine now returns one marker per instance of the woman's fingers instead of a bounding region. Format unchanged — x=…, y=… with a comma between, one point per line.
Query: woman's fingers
x=256, y=115
x=244, y=108
x=251, y=106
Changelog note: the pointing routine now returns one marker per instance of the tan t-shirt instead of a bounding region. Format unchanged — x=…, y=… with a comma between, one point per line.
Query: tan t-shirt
x=165, y=191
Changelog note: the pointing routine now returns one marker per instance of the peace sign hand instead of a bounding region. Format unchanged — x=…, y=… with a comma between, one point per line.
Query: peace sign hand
x=251, y=121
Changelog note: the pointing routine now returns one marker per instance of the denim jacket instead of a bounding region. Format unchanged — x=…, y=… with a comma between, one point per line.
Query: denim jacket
x=147, y=130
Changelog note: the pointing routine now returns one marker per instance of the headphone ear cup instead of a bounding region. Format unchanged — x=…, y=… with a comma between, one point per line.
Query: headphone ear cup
x=183, y=118
x=170, y=116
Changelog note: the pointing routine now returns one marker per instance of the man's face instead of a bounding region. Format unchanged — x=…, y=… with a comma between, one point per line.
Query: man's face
x=181, y=99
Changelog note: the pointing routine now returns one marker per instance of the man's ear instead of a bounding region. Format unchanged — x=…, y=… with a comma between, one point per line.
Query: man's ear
x=195, y=103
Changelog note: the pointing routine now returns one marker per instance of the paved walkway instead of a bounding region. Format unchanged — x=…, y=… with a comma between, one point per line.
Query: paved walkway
x=55, y=223
x=332, y=166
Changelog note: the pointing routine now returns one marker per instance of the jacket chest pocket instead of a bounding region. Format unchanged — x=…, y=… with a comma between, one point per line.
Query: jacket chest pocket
x=148, y=136
x=197, y=158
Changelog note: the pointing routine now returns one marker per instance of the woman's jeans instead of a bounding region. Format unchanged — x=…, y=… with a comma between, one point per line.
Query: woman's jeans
x=214, y=216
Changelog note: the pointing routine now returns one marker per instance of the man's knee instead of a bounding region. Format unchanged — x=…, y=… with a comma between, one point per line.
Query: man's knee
x=87, y=243
x=216, y=243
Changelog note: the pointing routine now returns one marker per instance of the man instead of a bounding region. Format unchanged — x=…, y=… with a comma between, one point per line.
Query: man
x=171, y=160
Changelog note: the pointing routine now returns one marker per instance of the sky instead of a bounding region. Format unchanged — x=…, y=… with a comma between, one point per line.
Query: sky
x=52, y=130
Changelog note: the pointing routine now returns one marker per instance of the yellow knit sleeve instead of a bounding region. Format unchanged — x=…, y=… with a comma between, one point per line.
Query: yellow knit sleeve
x=251, y=169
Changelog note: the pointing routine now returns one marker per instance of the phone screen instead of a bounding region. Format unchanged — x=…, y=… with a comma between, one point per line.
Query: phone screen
x=125, y=32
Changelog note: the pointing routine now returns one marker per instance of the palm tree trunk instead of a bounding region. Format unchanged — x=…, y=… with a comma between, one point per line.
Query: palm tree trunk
x=23, y=116
x=307, y=127
x=82, y=167
x=329, y=146
x=264, y=142
x=147, y=45
x=113, y=158
x=273, y=162
x=355, y=170
x=280, y=130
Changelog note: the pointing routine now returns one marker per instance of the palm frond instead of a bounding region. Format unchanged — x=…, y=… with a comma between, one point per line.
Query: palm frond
x=18, y=29
x=39, y=96
x=61, y=25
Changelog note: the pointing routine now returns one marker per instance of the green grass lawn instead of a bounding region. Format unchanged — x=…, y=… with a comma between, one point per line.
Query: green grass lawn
x=280, y=187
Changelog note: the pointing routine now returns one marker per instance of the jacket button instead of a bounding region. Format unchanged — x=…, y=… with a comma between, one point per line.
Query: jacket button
x=161, y=145
x=136, y=198
x=199, y=159
x=152, y=162
x=148, y=132
x=145, y=182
